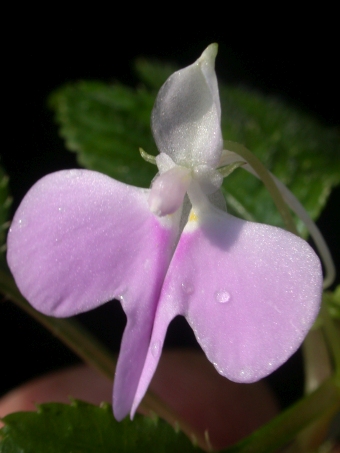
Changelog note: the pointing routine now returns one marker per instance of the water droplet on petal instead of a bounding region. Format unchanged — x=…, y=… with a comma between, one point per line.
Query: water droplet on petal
x=246, y=374
x=270, y=365
x=156, y=349
x=187, y=288
x=122, y=298
x=222, y=296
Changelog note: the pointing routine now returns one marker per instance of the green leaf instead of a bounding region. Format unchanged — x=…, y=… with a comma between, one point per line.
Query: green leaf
x=84, y=428
x=295, y=147
x=5, y=202
x=107, y=124
x=332, y=301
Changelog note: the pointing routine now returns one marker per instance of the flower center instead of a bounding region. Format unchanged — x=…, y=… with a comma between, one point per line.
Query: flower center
x=170, y=186
x=168, y=190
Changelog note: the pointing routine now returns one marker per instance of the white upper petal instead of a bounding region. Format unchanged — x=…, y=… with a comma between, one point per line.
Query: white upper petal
x=186, y=116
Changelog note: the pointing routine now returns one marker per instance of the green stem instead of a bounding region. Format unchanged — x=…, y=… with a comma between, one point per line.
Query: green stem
x=282, y=429
x=148, y=157
x=228, y=169
x=267, y=180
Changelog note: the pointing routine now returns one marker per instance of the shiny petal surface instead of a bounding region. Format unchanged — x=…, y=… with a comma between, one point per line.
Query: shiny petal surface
x=186, y=119
x=249, y=291
x=79, y=239
x=168, y=191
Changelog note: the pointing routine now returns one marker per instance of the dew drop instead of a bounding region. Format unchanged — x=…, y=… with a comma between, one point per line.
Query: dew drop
x=156, y=349
x=22, y=223
x=222, y=296
x=187, y=288
x=270, y=365
x=122, y=299
x=246, y=374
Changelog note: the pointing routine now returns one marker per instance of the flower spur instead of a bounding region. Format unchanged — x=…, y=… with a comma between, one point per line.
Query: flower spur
x=249, y=291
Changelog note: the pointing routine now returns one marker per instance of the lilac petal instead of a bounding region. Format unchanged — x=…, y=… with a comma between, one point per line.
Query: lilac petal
x=167, y=309
x=249, y=291
x=133, y=350
x=79, y=239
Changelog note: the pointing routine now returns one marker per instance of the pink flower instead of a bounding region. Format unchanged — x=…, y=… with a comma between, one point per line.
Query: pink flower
x=249, y=291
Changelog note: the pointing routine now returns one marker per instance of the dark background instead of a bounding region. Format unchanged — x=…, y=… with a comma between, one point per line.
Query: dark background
x=293, y=58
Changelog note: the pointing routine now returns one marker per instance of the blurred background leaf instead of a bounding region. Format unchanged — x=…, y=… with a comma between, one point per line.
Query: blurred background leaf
x=295, y=147
x=105, y=124
x=332, y=301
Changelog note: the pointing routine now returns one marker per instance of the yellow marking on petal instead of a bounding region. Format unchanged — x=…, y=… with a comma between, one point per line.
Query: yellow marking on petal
x=193, y=217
